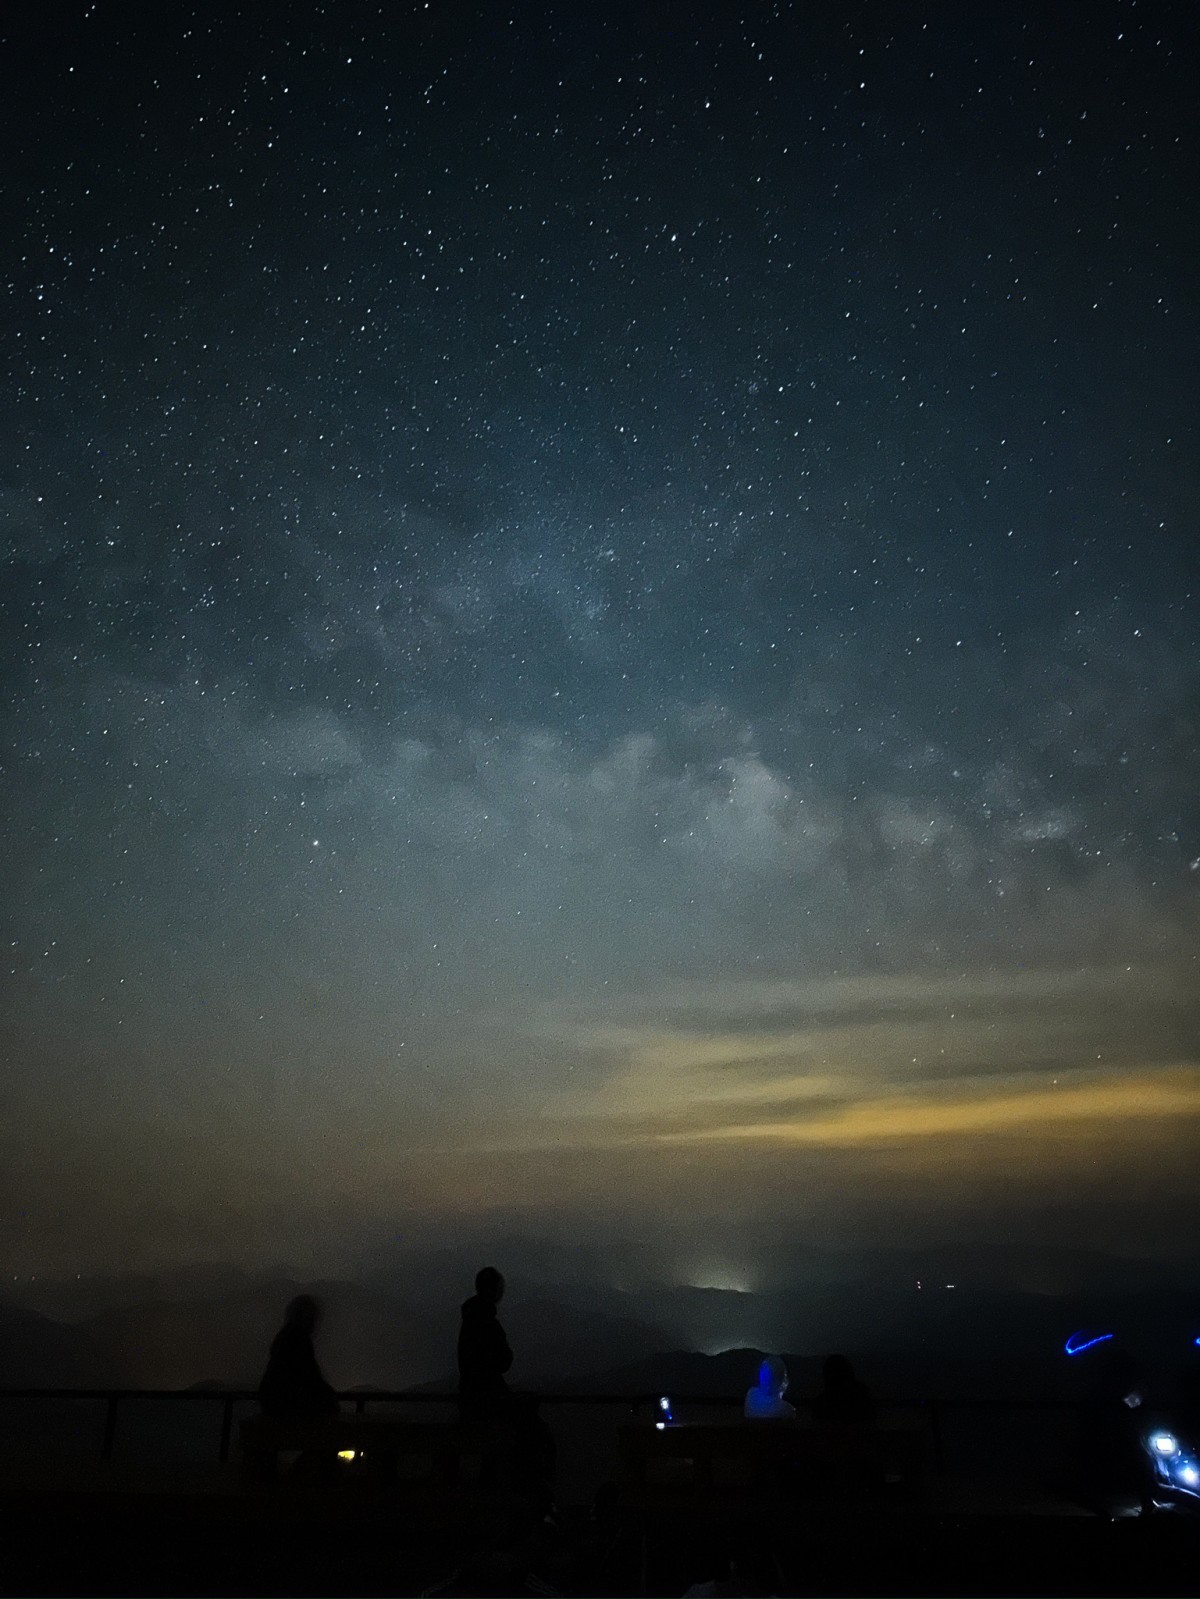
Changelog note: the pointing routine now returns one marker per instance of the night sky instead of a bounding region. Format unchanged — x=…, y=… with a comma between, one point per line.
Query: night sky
x=597, y=629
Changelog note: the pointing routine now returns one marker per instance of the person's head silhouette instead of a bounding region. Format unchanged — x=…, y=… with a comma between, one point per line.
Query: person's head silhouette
x=838, y=1373
x=304, y=1313
x=773, y=1377
x=489, y=1285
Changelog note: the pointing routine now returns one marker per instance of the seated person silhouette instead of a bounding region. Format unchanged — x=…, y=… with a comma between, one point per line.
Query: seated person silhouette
x=293, y=1387
x=484, y=1360
x=765, y=1401
x=844, y=1398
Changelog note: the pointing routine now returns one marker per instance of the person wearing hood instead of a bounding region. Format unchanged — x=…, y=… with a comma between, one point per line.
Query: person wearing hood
x=765, y=1401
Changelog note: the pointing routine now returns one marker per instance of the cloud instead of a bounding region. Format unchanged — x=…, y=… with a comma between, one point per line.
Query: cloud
x=851, y=1061
x=1166, y=1094
x=308, y=743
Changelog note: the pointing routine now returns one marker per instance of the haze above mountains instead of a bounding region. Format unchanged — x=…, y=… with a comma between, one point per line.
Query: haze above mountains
x=1001, y=1326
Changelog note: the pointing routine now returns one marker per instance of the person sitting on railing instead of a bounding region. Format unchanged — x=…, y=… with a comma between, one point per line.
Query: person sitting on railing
x=765, y=1401
x=844, y=1398
x=293, y=1387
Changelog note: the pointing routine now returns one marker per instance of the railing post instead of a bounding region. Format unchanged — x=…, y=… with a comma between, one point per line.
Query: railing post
x=226, y=1430
x=110, y=1428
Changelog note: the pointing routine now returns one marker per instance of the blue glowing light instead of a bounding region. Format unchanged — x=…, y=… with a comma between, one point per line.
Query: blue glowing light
x=1078, y=1342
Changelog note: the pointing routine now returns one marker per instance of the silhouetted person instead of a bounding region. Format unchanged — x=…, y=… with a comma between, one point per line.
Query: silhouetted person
x=293, y=1387
x=765, y=1401
x=484, y=1360
x=484, y=1356
x=843, y=1398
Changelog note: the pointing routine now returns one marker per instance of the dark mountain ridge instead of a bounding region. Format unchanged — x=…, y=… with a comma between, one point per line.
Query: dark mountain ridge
x=589, y=1337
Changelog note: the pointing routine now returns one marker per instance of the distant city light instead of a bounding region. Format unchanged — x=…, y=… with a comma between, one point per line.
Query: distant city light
x=346, y=1454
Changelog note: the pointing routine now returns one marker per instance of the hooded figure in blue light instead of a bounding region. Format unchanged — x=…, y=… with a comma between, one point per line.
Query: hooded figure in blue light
x=765, y=1401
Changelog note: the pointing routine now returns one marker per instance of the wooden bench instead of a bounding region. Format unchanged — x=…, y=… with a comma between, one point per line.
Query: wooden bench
x=698, y=1465
x=440, y=1455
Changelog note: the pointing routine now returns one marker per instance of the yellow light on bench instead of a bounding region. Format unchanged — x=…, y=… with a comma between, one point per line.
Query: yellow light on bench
x=347, y=1454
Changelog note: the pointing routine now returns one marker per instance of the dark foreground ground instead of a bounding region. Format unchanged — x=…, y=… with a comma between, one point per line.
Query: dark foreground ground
x=170, y=1543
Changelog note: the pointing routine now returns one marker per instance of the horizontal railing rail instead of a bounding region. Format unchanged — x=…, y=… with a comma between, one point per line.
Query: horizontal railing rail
x=112, y=1398
x=360, y=1398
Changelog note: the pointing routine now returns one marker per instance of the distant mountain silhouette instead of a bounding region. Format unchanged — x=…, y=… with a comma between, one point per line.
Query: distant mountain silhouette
x=170, y=1338
x=79, y=1298
x=1006, y=1267
x=366, y=1339
x=36, y=1352
x=213, y=1325
x=554, y=1342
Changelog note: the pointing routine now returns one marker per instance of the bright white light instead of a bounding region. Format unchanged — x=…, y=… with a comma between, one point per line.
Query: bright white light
x=1163, y=1443
x=660, y=1426
x=1190, y=1475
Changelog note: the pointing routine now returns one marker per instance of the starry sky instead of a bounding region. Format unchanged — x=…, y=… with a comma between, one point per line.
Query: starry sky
x=597, y=627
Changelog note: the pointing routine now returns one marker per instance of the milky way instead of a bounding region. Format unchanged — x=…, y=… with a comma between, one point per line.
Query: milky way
x=598, y=620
